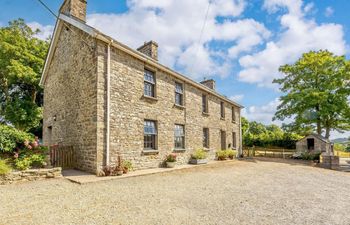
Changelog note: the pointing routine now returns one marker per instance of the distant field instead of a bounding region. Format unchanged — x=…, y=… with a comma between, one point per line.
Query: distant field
x=342, y=154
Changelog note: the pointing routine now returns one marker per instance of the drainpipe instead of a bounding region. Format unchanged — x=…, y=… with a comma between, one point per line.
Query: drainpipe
x=108, y=102
x=240, y=134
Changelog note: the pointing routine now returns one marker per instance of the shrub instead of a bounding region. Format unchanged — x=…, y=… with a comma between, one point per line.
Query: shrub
x=171, y=158
x=126, y=164
x=311, y=156
x=4, y=167
x=22, y=164
x=231, y=153
x=199, y=154
x=11, y=138
x=221, y=154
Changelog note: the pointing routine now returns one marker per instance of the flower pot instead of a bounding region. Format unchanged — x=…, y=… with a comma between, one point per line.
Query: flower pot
x=198, y=161
x=170, y=164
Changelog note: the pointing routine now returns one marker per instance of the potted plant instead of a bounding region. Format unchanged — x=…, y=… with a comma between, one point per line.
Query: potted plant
x=231, y=153
x=170, y=160
x=199, y=157
x=221, y=155
x=127, y=166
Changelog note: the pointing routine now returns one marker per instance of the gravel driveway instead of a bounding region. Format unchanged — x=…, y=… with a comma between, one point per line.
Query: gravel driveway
x=259, y=191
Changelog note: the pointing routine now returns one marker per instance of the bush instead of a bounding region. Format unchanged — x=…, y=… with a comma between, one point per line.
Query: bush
x=35, y=160
x=22, y=164
x=221, y=154
x=126, y=164
x=311, y=156
x=11, y=138
x=231, y=153
x=199, y=154
x=4, y=167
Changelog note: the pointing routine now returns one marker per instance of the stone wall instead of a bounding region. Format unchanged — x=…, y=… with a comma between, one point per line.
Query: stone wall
x=129, y=109
x=70, y=96
x=30, y=175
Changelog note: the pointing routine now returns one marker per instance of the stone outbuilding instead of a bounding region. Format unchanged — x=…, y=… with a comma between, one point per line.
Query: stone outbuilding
x=314, y=143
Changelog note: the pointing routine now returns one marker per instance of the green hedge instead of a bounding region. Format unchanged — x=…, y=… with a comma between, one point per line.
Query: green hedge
x=11, y=138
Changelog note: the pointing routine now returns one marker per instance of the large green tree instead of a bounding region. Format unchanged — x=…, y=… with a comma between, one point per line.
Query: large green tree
x=22, y=58
x=317, y=91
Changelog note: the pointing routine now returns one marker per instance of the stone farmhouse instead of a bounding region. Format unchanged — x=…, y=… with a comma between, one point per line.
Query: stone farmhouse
x=106, y=99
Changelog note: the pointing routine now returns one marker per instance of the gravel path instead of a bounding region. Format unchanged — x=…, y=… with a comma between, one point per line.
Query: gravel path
x=233, y=192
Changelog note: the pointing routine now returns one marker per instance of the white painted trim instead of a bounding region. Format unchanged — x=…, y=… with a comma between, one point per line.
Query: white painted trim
x=50, y=52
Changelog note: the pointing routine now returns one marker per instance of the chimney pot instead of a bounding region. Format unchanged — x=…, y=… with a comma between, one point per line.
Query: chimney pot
x=75, y=8
x=150, y=49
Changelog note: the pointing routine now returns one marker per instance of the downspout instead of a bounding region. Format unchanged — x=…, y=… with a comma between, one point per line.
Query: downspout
x=240, y=134
x=108, y=102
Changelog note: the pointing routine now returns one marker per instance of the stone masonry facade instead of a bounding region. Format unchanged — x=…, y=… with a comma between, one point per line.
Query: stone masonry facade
x=75, y=106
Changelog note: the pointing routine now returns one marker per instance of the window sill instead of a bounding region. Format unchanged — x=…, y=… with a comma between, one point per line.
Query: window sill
x=234, y=121
x=222, y=118
x=205, y=114
x=179, y=150
x=150, y=152
x=179, y=106
x=149, y=98
x=206, y=149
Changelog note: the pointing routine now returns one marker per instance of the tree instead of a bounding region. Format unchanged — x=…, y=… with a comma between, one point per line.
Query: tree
x=22, y=57
x=317, y=91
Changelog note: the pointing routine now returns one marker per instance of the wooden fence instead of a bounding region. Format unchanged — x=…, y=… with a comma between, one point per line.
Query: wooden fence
x=62, y=156
x=268, y=152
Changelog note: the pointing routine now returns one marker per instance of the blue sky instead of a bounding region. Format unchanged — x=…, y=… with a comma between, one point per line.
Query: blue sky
x=243, y=41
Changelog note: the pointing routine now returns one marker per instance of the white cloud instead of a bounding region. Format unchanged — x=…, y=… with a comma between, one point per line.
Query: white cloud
x=176, y=26
x=236, y=98
x=299, y=35
x=329, y=11
x=263, y=113
x=45, y=30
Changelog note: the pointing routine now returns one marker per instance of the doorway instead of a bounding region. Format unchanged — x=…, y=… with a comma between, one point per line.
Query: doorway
x=310, y=144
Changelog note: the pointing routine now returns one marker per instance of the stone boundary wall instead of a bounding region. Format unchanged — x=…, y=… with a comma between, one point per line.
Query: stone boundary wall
x=30, y=175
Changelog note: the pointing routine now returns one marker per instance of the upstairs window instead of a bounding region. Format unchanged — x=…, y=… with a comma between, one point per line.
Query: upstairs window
x=178, y=94
x=204, y=103
x=233, y=114
x=150, y=135
x=206, y=137
x=179, y=136
x=222, y=109
x=149, y=83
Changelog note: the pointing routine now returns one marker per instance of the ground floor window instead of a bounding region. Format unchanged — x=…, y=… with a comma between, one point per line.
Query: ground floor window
x=234, y=143
x=206, y=137
x=150, y=135
x=223, y=139
x=179, y=136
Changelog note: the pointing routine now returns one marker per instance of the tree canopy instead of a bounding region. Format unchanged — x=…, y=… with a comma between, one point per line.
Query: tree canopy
x=22, y=57
x=317, y=91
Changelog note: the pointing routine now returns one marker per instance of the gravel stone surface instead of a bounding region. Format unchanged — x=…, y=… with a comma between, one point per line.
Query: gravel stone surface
x=259, y=191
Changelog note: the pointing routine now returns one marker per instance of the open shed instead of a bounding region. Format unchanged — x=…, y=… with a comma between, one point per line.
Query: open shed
x=314, y=143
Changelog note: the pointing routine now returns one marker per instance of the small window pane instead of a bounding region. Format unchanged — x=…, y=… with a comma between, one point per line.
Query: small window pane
x=222, y=110
x=234, y=144
x=179, y=138
x=150, y=127
x=206, y=137
x=149, y=76
x=178, y=99
x=178, y=88
x=233, y=114
x=204, y=104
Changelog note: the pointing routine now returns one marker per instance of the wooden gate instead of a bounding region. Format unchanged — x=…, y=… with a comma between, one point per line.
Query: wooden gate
x=62, y=156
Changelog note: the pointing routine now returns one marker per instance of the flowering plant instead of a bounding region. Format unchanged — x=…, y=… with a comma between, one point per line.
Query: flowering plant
x=171, y=158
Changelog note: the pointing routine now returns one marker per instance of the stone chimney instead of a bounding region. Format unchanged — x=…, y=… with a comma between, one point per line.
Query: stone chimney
x=209, y=83
x=150, y=49
x=74, y=8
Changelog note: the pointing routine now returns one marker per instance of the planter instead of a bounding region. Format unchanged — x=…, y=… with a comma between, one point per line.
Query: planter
x=198, y=161
x=170, y=164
